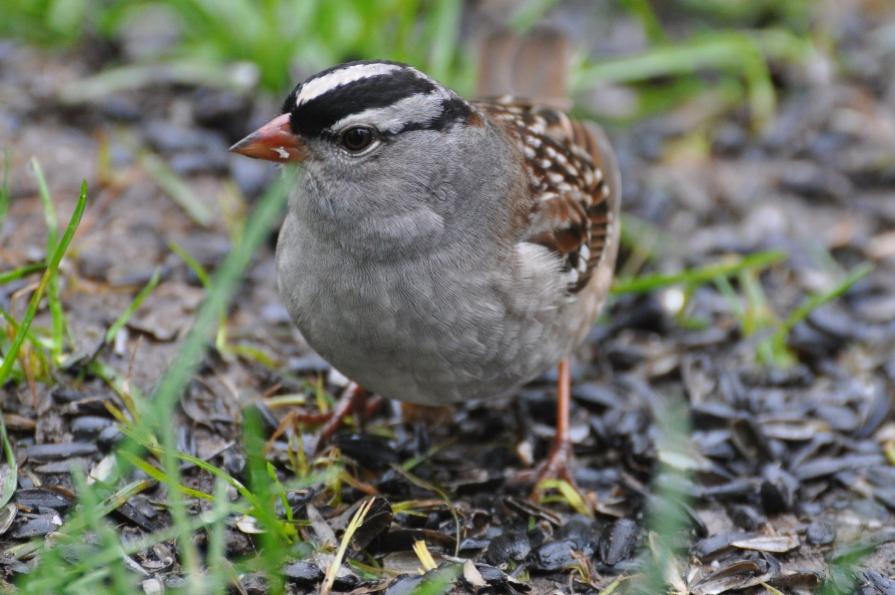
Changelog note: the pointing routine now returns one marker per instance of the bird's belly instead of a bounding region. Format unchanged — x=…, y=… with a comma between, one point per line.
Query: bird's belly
x=418, y=337
x=400, y=347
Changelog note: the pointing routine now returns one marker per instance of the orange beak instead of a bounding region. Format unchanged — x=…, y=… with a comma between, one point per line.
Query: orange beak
x=274, y=141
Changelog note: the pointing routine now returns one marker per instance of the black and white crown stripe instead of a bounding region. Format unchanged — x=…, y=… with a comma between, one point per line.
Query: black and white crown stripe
x=417, y=109
x=332, y=79
x=392, y=97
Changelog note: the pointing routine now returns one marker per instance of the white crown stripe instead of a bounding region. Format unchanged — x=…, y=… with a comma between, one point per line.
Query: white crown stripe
x=420, y=108
x=337, y=78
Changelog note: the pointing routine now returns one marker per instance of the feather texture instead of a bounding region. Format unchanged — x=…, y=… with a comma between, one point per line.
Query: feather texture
x=572, y=199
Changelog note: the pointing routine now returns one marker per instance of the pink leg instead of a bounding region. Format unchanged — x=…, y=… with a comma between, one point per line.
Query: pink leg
x=357, y=400
x=559, y=460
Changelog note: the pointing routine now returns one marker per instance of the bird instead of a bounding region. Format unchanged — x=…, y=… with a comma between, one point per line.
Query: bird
x=438, y=250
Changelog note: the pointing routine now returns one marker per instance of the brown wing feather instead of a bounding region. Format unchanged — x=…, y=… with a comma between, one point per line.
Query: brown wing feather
x=573, y=183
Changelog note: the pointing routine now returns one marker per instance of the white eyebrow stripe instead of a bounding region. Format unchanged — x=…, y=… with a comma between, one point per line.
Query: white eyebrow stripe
x=317, y=87
x=420, y=108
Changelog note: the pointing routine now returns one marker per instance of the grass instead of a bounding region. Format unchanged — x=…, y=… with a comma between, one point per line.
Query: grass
x=776, y=344
x=97, y=501
x=731, y=59
x=12, y=352
x=439, y=581
x=174, y=381
x=272, y=36
x=696, y=276
x=222, y=341
x=665, y=518
x=11, y=473
x=356, y=521
x=4, y=189
x=132, y=308
x=756, y=318
x=748, y=304
x=177, y=189
x=46, y=22
x=22, y=272
x=94, y=568
x=740, y=55
x=793, y=13
x=56, y=314
x=275, y=36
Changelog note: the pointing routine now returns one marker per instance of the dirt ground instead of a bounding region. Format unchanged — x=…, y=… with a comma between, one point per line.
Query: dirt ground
x=787, y=469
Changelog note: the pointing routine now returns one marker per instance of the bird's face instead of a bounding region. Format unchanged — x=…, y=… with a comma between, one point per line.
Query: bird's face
x=366, y=132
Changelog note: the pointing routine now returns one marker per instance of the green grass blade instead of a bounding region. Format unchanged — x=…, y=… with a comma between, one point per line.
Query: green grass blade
x=444, y=23
x=5, y=197
x=686, y=58
x=217, y=560
x=130, y=395
x=280, y=491
x=53, y=266
x=191, y=353
x=440, y=581
x=530, y=13
x=192, y=263
x=120, y=79
x=162, y=477
x=781, y=335
x=647, y=283
x=224, y=285
x=10, y=479
x=217, y=473
x=46, y=200
x=55, y=305
x=666, y=518
x=124, y=494
x=22, y=272
x=54, y=574
x=158, y=411
x=29, y=336
x=816, y=301
x=133, y=306
x=729, y=51
x=277, y=535
x=643, y=12
x=92, y=514
x=177, y=190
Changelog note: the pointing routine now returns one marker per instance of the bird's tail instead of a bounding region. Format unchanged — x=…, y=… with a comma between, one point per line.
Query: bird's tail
x=533, y=66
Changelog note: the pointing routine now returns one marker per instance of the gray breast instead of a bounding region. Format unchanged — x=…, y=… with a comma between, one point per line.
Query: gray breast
x=434, y=330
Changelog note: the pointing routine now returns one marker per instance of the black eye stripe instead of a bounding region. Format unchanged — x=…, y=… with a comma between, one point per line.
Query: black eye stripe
x=452, y=111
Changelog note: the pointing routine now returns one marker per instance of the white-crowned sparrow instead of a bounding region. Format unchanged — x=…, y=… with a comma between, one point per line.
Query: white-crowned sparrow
x=439, y=250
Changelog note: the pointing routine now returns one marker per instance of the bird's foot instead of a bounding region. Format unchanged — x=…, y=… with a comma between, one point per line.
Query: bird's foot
x=556, y=467
x=355, y=400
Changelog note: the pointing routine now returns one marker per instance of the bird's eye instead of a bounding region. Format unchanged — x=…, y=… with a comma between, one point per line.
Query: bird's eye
x=357, y=138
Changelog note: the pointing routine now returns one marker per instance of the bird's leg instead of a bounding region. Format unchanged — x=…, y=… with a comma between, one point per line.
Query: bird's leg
x=356, y=399
x=429, y=415
x=559, y=460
